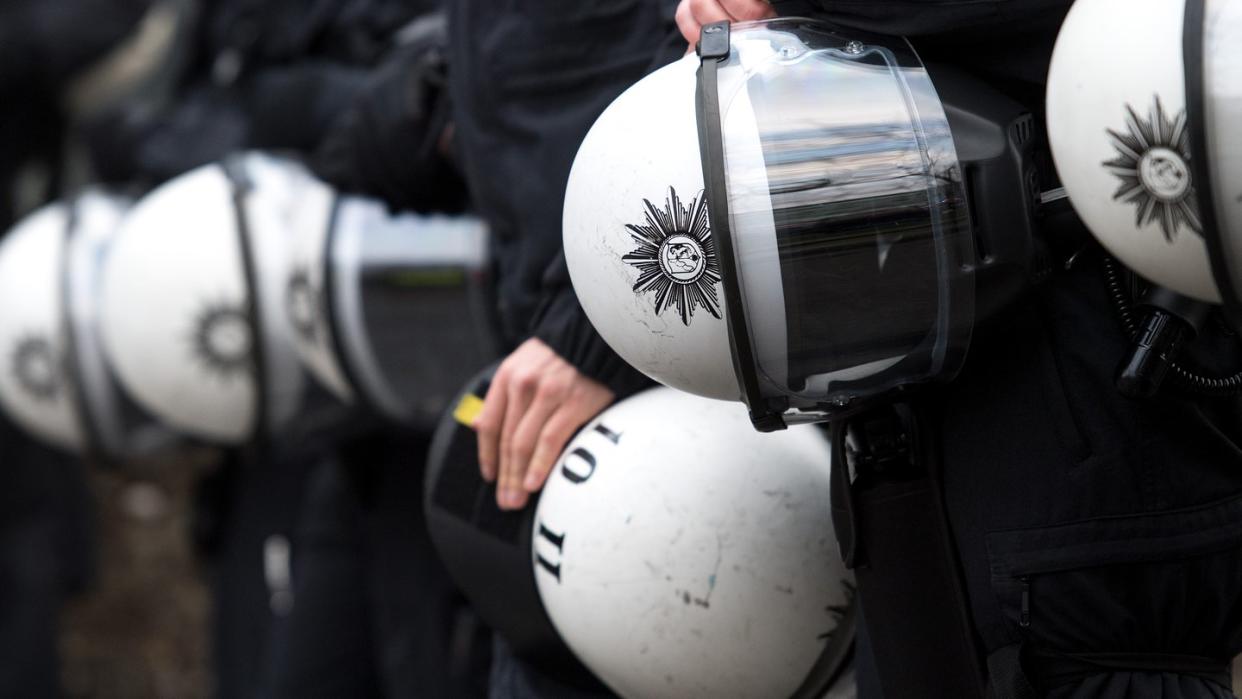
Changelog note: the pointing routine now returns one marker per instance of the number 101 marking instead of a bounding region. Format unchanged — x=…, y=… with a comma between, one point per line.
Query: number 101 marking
x=585, y=463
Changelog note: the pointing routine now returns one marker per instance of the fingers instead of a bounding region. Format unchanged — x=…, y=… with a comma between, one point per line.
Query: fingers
x=516, y=455
x=552, y=440
x=686, y=24
x=536, y=402
x=707, y=11
x=586, y=400
x=489, y=426
x=556, y=433
x=747, y=10
x=522, y=385
x=691, y=15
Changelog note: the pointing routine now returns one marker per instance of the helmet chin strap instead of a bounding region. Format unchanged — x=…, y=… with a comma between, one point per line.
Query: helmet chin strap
x=1170, y=322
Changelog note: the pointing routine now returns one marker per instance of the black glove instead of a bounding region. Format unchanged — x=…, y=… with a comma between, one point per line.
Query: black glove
x=390, y=143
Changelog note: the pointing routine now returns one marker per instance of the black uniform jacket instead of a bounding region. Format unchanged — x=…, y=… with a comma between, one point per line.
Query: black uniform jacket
x=264, y=74
x=528, y=79
x=1113, y=526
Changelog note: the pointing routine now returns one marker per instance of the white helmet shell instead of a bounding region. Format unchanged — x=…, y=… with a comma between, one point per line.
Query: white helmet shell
x=176, y=312
x=679, y=553
x=305, y=301
x=60, y=386
x=612, y=215
x=830, y=205
x=1118, y=129
x=35, y=385
x=117, y=429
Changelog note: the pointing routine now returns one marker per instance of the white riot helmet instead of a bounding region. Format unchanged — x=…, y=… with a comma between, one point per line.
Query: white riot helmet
x=681, y=554
x=783, y=218
x=57, y=383
x=193, y=296
x=1143, y=103
x=390, y=311
x=35, y=384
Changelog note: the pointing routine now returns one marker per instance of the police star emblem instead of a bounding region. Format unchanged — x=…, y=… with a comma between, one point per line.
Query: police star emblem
x=36, y=367
x=676, y=257
x=1153, y=166
x=221, y=341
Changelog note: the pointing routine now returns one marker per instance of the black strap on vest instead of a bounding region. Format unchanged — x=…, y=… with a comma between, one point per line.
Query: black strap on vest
x=888, y=512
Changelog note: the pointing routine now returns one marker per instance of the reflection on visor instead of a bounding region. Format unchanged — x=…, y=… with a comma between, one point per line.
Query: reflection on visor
x=843, y=184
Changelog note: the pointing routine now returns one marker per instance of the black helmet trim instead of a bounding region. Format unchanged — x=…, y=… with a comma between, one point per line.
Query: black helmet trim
x=241, y=186
x=1194, y=60
x=714, y=46
x=365, y=381
x=334, y=323
x=331, y=316
x=94, y=440
x=928, y=342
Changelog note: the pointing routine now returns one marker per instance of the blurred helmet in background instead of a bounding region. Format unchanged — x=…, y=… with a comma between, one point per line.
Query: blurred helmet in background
x=392, y=312
x=58, y=384
x=193, y=296
x=36, y=386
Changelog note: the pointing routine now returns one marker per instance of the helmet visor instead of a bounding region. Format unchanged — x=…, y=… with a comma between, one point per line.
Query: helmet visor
x=847, y=215
x=408, y=303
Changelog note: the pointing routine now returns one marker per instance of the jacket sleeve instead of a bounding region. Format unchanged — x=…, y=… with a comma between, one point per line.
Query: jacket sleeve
x=389, y=143
x=561, y=323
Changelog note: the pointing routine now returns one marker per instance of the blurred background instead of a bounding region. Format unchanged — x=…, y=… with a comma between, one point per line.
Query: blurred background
x=144, y=553
x=140, y=627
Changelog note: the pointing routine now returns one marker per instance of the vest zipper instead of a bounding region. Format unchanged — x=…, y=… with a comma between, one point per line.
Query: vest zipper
x=1025, y=619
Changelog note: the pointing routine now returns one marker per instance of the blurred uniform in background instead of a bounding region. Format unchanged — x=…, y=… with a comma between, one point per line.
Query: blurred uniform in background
x=45, y=545
x=323, y=580
x=43, y=47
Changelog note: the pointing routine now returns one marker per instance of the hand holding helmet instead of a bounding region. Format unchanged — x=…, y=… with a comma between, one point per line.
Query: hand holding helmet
x=658, y=551
x=536, y=402
x=791, y=219
x=693, y=15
